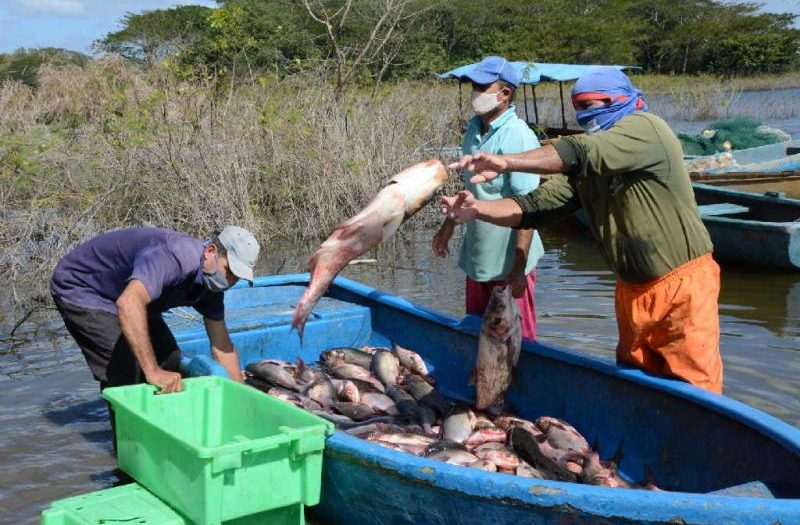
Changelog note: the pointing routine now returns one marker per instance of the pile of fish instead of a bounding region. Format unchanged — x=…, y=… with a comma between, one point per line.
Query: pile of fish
x=386, y=396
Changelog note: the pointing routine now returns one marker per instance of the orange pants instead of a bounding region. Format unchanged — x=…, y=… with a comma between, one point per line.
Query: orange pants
x=670, y=326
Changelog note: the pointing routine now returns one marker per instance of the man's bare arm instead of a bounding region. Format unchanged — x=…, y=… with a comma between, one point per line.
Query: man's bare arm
x=222, y=348
x=132, y=309
x=464, y=207
x=517, y=274
x=486, y=166
x=544, y=160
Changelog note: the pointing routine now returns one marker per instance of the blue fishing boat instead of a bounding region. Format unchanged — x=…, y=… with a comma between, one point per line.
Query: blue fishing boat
x=719, y=460
x=751, y=229
x=774, y=167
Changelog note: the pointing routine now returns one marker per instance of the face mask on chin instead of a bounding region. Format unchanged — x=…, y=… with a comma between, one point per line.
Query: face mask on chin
x=215, y=281
x=482, y=102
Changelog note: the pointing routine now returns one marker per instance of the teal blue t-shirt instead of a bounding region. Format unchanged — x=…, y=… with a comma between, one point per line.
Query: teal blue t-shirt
x=487, y=253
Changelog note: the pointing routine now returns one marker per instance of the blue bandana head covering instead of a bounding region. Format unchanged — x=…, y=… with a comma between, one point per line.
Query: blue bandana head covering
x=613, y=85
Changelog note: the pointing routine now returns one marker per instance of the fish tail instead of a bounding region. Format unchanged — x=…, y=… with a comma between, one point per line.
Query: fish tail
x=299, y=321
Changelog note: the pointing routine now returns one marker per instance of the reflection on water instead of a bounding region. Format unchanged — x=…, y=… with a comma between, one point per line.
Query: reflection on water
x=55, y=440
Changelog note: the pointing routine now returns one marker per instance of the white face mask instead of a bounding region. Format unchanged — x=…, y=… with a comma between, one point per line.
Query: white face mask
x=482, y=102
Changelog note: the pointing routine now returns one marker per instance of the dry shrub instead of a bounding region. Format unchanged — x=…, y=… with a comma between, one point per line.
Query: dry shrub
x=15, y=98
x=70, y=94
x=106, y=147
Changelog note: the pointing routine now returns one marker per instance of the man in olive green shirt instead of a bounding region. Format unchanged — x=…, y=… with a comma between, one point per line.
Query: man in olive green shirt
x=628, y=176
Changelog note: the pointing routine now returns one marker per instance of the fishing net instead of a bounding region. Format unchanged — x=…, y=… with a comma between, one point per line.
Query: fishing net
x=730, y=134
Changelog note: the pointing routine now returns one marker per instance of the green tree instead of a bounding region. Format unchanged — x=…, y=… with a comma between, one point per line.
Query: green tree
x=685, y=36
x=368, y=40
x=257, y=35
x=152, y=36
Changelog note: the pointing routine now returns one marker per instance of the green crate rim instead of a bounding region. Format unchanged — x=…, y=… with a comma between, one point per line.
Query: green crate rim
x=288, y=435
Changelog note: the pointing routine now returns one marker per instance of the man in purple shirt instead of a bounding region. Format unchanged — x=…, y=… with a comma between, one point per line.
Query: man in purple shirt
x=112, y=289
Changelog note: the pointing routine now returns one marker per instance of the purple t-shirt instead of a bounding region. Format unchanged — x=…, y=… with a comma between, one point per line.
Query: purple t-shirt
x=168, y=263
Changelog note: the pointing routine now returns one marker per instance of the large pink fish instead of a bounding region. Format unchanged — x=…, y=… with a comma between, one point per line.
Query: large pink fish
x=403, y=196
x=498, y=348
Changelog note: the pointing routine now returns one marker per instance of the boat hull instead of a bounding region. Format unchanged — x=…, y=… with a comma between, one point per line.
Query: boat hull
x=694, y=441
x=767, y=235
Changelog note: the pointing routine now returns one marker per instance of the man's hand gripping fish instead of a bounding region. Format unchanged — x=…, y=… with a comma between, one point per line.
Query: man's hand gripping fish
x=403, y=196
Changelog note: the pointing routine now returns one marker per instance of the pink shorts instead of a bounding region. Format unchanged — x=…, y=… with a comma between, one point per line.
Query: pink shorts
x=477, y=296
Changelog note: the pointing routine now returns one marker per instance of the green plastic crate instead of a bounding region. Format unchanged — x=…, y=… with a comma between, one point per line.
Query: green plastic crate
x=126, y=504
x=219, y=450
x=134, y=505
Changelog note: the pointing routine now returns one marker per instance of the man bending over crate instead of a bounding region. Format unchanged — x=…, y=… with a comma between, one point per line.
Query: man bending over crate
x=112, y=290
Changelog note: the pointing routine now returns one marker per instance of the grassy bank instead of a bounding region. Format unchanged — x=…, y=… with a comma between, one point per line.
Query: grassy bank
x=106, y=146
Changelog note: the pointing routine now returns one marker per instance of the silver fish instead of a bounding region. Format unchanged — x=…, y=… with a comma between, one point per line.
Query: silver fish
x=410, y=359
x=455, y=457
x=486, y=435
x=346, y=390
x=458, y=425
x=403, y=196
x=386, y=367
x=498, y=454
x=347, y=355
x=355, y=411
x=322, y=391
x=562, y=435
x=484, y=465
x=498, y=347
x=404, y=438
x=553, y=463
x=524, y=470
x=353, y=372
x=595, y=472
x=423, y=392
x=380, y=403
x=294, y=398
x=278, y=373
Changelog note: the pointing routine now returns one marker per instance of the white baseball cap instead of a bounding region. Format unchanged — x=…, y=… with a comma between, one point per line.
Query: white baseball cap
x=242, y=251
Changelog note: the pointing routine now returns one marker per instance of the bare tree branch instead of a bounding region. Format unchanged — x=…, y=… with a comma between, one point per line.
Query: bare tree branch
x=349, y=60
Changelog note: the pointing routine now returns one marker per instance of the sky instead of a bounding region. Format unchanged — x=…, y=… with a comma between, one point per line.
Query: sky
x=75, y=24
x=69, y=24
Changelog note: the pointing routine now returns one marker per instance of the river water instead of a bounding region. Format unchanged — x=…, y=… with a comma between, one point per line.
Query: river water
x=55, y=436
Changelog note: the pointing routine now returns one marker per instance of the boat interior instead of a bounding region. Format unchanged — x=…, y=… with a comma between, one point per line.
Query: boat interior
x=687, y=439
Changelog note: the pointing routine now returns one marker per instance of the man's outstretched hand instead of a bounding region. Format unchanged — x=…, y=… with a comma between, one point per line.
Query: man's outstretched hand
x=462, y=207
x=485, y=166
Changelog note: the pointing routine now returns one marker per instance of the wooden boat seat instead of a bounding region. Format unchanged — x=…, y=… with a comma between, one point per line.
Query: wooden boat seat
x=722, y=208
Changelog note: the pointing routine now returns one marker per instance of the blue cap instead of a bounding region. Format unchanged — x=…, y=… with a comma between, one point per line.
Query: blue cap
x=492, y=69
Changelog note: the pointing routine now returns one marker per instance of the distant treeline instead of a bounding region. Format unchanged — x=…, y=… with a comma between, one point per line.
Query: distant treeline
x=380, y=39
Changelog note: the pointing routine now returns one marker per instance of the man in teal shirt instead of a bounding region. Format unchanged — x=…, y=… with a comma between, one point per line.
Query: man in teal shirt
x=494, y=255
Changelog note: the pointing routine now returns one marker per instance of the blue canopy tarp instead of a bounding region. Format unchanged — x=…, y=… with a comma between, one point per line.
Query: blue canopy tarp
x=535, y=72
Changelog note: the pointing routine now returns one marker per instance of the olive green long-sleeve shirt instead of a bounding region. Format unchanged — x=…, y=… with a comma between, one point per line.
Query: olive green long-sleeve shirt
x=636, y=193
